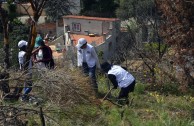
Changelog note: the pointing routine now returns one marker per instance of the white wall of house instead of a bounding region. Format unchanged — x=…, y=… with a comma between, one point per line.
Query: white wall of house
x=110, y=29
x=59, y=28
x=107, y=48
x=92, y=26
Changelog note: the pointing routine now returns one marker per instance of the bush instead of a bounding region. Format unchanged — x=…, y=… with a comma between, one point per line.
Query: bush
x=140, y=88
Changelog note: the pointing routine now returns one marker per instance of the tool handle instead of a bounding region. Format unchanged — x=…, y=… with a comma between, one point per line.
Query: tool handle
x=107, y=93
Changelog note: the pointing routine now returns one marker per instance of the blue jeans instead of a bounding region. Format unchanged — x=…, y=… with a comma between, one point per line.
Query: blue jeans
x=91, y=72
x=27, y=89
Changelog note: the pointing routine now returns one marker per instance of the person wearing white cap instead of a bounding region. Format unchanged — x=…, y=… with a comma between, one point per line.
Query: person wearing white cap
x=22, y=51
x=88, y=60
x=21, y=59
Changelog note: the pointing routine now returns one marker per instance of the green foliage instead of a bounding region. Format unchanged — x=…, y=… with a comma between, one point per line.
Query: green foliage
x=100, y=55
x=55, y=9
x=18, y=32
x=12, y=10
x=140, y=9
x=140, y=88
x=132, y=25
x=100, y=8
x=154, y=46
x=149, y=114
x=149, y=108
x=32, y=121
x=168, y=88
x=113, y=120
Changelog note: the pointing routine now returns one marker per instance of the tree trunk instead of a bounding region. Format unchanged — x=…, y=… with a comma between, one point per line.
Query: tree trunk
x=4, y=20
x=6, y=58
x=4, y=85
x=31, y=40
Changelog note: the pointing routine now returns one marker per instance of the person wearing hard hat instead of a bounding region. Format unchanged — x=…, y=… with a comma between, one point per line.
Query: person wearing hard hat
x=88, y=60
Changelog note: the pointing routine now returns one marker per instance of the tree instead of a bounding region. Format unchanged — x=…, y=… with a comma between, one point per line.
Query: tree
x=55, y=9
x=143, y=11
x=5, y=23
x=145, y=16
x=37, y=8
x=99, y=8
x=177, y=30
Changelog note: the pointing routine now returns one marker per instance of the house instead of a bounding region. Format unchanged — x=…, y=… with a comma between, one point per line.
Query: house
x=100, y=32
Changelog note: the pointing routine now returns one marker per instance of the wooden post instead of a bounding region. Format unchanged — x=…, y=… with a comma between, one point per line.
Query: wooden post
x=42, y=117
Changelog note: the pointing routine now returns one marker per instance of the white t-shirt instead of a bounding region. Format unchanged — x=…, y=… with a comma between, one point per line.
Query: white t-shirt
x=39, y=56
x=21, y=60
x=123, y=77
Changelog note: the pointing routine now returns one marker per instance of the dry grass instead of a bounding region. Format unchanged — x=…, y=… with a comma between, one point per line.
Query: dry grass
x=64, y=87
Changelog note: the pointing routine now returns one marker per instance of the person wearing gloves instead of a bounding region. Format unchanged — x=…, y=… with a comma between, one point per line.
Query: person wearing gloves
x=88, y=60
x=22, y=45
x=121, y=78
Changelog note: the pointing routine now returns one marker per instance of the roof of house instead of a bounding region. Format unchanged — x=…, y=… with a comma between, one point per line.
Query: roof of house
x=96, y=40
x=91, y=18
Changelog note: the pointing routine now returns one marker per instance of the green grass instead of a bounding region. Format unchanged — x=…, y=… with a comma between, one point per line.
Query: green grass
x=149, y=108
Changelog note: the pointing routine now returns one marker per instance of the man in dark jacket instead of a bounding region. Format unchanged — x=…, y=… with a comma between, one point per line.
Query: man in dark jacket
x=42, y=55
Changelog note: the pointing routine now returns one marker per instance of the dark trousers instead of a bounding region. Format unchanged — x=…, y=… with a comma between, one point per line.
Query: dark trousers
x=125, y=91
x=91, y=72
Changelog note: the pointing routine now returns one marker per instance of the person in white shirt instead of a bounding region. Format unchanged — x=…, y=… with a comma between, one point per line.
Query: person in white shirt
x=21, y=59
x=88, y=60
x=121, y=78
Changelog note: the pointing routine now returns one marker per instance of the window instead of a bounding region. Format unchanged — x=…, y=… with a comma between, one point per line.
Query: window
x=76, y=27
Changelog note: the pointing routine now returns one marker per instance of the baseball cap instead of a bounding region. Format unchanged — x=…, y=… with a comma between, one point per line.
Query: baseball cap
x=81, y=42
x=38, y=41
x=22, y=43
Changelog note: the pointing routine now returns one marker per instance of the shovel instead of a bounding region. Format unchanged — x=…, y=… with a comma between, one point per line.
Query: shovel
x=107, y=94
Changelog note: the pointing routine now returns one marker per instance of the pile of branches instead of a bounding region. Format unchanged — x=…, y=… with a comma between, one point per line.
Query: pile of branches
x=63, y=87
